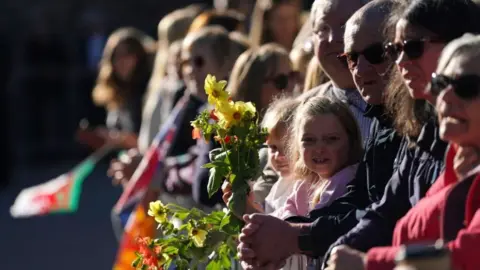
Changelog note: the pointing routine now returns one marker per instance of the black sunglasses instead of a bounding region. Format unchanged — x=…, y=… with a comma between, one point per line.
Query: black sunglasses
x=466, y=87
x=414, y=49
x=196, y=61
x=375, y=54
x=281, y=81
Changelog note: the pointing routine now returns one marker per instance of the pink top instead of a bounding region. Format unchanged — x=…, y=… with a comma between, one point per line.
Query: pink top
x=298, y=203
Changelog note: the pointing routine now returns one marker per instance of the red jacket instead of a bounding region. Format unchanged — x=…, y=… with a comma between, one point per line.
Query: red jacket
x=451, y=211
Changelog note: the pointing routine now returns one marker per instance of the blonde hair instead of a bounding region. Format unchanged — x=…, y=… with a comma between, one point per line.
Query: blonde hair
x=313, y=107
x=301, y=56
x=112, y=92
x=173, y=27
x=250, y=71
x=240, y=40
x=315, y=75
x=231, y=20
x=279, y=116
x=222, y=48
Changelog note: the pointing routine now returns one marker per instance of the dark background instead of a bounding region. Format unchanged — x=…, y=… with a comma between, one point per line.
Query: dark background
x=45, y=90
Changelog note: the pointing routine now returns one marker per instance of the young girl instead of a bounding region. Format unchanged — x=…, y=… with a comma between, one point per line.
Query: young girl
x=277, y=120
x=124, y=73
x=325, y=147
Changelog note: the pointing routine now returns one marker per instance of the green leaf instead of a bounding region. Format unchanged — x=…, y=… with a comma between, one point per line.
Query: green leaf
x=225, y=261
x=181, y=215
x=214, y=218
x=214, y=265
x=170, y=250
x=208, y=165
x=136, y=262
x=215, y=180
x=238, y=201
x=231, y=224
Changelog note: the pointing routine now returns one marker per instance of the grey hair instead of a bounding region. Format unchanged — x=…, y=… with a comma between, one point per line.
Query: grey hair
x=318, y=3
x=468, y=43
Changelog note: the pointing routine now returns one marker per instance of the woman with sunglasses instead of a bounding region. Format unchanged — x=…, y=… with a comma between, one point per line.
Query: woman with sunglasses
x=450, y=210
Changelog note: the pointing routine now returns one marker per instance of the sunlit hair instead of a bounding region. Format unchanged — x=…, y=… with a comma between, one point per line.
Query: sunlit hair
x=467, y=46
x=240, y=40
x=279, y=116
x=173, y=27
x=311, y=108
x=315, y=76
x=300, y=56
x=110, y=90
x=251, y=70
x=231, y=20
x=217, y=41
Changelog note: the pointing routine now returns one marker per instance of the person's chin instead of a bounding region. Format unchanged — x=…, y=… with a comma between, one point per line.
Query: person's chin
x=452, y=131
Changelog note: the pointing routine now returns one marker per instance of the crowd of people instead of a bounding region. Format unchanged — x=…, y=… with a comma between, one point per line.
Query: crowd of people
x=373, y=114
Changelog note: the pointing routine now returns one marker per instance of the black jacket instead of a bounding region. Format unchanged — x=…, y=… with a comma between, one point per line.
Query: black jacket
x=379, y=162
x=419, y=169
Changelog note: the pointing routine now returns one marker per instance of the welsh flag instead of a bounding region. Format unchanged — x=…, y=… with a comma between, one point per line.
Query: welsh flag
x=59, y=195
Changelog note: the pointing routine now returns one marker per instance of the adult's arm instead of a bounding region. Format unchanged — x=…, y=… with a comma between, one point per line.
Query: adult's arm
x=376, y=227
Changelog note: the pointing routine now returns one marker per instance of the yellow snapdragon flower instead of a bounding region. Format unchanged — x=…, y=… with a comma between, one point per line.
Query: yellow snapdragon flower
x=198, y=237
x=215, y=90
x=158, y=211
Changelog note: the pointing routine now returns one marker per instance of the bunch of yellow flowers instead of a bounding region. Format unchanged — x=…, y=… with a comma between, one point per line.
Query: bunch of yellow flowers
x=210, y=237
x=228, y=112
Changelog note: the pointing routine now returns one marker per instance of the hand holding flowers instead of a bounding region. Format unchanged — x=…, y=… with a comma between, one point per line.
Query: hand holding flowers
x=210, y=238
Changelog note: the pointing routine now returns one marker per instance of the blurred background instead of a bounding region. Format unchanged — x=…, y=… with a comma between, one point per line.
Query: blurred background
x=49, y=54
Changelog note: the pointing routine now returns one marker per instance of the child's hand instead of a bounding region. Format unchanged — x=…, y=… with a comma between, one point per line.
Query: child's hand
x=251, y=206
x=227, y=192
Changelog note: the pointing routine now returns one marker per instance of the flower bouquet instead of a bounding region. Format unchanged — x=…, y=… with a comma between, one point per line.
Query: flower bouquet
x=210, y=238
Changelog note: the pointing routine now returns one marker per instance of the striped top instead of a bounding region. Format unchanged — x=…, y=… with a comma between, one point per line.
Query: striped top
x=357, y=106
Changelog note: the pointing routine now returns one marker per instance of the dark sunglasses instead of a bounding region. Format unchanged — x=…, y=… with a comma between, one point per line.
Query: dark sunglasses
x=196, y=61
x=414, y=49
x=466, y=87
x=281, y=80
x=374, y=54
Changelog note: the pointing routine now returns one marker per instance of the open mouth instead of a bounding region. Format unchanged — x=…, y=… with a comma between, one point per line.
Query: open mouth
x=320, y=161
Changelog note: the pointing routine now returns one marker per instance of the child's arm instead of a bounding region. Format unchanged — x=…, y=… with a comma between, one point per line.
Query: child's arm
x=251, y=206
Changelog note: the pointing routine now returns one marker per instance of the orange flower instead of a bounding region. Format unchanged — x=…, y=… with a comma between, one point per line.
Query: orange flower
x=149, y=255
x=196, y=133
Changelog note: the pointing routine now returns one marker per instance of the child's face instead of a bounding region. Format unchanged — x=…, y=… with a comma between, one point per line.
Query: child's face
x=324, y=146
x=277, y=158
x=197, y=63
